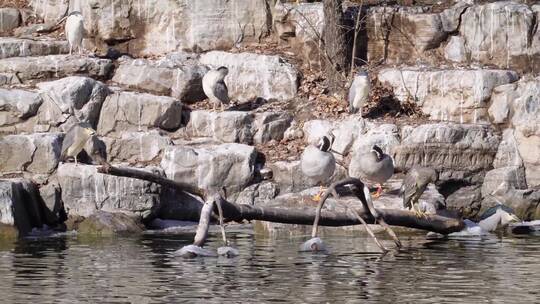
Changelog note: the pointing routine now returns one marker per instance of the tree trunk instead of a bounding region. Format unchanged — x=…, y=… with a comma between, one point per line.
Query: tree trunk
x=335, y=45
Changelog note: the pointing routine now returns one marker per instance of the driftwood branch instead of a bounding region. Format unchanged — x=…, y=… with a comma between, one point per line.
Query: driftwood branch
x=301, y=216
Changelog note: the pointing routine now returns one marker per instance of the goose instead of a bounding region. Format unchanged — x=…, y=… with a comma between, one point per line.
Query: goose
x=318, y=162
x=373, y=167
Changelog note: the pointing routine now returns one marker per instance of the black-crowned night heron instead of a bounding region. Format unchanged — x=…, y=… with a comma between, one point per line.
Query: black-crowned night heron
x=413, y=186
x=373, y=167
x=497, y=217
x=75, y=140
x=359, y=92
x=318, y=163
x=215, y=88
x=74, y=31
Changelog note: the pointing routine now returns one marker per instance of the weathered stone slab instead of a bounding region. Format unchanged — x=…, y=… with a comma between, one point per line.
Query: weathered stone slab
x=457, y=150
x=37, y=153
x=10, y=18
x=50, y=10
x=55, y=66
x=19, y=205
x=452, y=95
x=227, y=165
x=136, y=147
x=15, y=47
x=18, y=105
x=227, y=126
x=84, y=191
x=252, y=75
x=501, y=180
x=179, y=76
x=268, y=126
x=130, y=111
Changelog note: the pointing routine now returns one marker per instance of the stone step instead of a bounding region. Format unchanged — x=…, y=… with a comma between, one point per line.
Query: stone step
x=211, y=166
x=457, y=95
x=16, y=47
x=56, y=66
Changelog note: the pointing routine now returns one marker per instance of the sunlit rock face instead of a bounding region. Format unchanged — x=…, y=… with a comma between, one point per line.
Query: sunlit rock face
x=210, y=166
x=84, y=191
x=458, y=151
x=252, y=75
x=37, y=153
x=130, y=111
x=178, y=75
x=10, y=18
x=517, y=106
x=55, y=66
x=15, y=47
x=16, y=107
x=458, y=95
x=136, y=147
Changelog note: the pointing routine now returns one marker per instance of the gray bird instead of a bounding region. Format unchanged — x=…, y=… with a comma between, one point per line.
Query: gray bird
x=413, y=186
x=74, y=30
x=318, y=163
x=215, y=88
x=75, y=140
x=359, y=92
x=497, y=217
x=373, y=167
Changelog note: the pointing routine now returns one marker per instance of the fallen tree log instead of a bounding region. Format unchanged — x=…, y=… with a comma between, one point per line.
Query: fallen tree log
x=300, y=216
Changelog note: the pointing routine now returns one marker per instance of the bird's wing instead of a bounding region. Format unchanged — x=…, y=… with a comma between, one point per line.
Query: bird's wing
x=408, y=188
x=221, y=91
x=352, y=93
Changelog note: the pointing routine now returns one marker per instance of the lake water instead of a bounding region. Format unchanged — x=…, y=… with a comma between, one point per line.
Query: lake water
x=143, y=269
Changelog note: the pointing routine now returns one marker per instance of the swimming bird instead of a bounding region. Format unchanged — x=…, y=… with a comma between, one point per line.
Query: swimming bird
x=74, y=30
x=215, y=88
x=497, y=217
x=318, y=163
x=359, y=92
x=372, y=167
x=413, y=186
x=75, y=140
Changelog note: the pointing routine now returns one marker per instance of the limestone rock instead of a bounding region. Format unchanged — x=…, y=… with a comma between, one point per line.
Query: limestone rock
x=19, y=205
x=508, y=153
x=18, y=105
x=107, y=20
x=55, y=66
x=525, y=203
x=386, y=136
x=15, y=47
x=466, y=201
x=289, y=177
x=50, y=10
x=455, y=49
x=37, y=153
x=102, y=223
x=453, y=95
x=315, y=129
x=180, y=78
x=458, y=150
x=269, y=126
x=137, y=147
x=84, y=191
x=76, y=97
x=51, y=194
x=227, y=165
x=10, y=18
x=130, y=111
x=258, y=194
x=9, y=79
x=227, y=126
x=252, y=75
x=346, y=133
x=502, y=179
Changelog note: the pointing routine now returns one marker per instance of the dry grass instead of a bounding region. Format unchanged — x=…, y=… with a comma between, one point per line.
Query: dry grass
x=15, y=3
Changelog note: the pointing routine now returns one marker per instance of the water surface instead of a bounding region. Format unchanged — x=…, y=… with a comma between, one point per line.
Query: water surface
x=71, y=269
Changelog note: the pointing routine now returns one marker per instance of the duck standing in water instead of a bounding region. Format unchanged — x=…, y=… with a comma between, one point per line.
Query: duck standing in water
x=373, y=167
x=413, y=186
x=214, y=87
x=318, y=162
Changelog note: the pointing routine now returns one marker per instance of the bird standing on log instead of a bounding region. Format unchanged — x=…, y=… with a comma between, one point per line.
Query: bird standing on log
x=75, y=140
x=413, y=186
x=374, y=166
x=74, y=30
x=358, y=92
x=318, y=163
x=215, y=88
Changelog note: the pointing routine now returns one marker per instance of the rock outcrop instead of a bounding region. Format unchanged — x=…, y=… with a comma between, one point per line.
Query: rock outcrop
x=37, y=153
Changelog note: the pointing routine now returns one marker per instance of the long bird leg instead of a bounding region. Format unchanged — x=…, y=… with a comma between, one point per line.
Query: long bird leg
x=220, y=212
x=75, y=160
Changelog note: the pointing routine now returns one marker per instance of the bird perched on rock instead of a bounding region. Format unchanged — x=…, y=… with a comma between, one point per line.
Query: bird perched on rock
x=413, y=186
x=74, y=31
x=75, y=140
x=372, y=167
x=318, y=163
x=359, y=92
x=215, y=88
x=497, y=217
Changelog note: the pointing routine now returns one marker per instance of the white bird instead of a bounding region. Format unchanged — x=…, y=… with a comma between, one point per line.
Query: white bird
x=359, y=92
x=372, y=167
x=74, y=30
x=318, y=163
x=215, y=88
x=497, y=217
